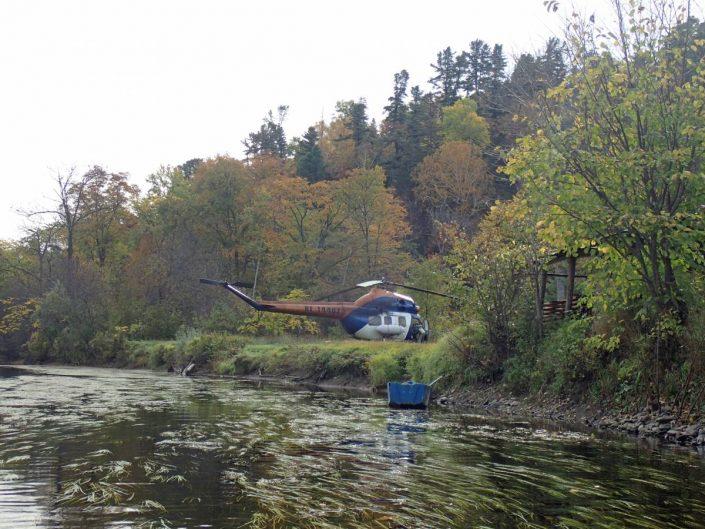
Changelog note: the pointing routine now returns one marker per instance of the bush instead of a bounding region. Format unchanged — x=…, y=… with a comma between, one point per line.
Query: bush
x=109, y=346
x=150, y=353
x=565, y=362
x=158, y=322
x=205, y=348
x=64, y=327
x=446, y=358
x=519, y=372
x=221, y=318
x=387, y=366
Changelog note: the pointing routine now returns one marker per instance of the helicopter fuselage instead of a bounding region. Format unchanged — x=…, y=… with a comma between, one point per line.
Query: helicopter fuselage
x=378, y=315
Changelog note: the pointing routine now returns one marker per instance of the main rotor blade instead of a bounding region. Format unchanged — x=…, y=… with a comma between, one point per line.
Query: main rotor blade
x=421, y=290
x=213, y=282
x=372, y=283
x=242, y=284
x=220, y=283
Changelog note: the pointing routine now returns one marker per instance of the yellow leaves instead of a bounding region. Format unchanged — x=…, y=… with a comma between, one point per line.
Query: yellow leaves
x=15, y=314
x=461, y=123
x=453, y=181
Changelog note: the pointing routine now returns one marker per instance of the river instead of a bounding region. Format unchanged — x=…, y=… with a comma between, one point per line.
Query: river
x=94, y=448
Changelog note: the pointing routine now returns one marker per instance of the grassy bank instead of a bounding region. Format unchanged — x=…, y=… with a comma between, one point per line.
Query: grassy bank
x=343, y=361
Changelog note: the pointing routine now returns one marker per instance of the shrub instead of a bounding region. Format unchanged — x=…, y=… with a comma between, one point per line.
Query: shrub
x=221, y=318
x=108, y=346
x=565, y=361
x=205, y=348
x=442, y=358
x=158, y=322
x=387, y=366
x=519, y=372
x=64, y=327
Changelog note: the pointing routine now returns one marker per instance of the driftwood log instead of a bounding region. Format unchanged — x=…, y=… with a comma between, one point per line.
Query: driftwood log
x=186, y=370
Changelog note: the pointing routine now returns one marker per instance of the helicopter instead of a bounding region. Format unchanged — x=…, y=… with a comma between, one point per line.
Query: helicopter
x=380, y=314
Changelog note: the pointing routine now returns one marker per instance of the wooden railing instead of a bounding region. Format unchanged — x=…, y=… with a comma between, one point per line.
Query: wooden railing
x=556, y=309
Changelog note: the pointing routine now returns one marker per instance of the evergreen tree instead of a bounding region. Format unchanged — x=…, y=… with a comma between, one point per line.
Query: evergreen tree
x=270, y=138
x=395, y=133
x=362, y=133
x=553, y=63
x=396, y=109
x=477, y=66
x=189, y=167
x=496, y=83
x=309, y=158
x=424, y=125
x=354, y=114
x=448, y=69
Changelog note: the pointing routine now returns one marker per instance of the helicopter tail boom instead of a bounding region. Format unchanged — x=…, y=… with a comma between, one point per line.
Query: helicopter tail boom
x=330, y=309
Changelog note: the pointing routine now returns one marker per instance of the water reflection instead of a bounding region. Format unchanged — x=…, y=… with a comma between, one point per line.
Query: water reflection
x=106, y=448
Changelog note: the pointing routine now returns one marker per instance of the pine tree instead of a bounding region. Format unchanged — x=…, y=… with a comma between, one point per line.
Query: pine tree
x=553, y=64
x=270, y=138
x=477, y=65
x=309, y=159
x=493, y=104
x=396, y=109
x=395, y=133
x=447, y=79
x=424, y=125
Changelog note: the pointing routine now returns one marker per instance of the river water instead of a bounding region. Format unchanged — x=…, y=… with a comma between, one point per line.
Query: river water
x=93, y=448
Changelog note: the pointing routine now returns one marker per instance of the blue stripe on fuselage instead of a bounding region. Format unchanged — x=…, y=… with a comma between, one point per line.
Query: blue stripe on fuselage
x=358, y=318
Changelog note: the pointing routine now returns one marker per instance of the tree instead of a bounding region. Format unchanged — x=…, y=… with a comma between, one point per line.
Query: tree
x=74, y=206
x=270, y=138
x=42, y=242
x=309, y=157
x=349, y=141
x=477, y=65
x=362, y=133
x=376, y=219
x=448, y=70
x=552, y=62
x=493, y=104
x=189, y=167
x=493, y=266
x=453, y=183
x=305, y=231
x=109, y=197
x=424, y=125
x=395, y=133
x=619, y=153
x=461, y=123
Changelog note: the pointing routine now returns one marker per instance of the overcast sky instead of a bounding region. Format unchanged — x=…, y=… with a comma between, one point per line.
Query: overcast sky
x=132, y=85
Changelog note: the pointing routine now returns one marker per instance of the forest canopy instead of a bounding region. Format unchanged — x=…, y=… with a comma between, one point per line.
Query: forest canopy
x=486, y=181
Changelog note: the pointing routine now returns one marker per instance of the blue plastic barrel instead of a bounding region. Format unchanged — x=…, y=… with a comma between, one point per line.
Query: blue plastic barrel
x=408, y=394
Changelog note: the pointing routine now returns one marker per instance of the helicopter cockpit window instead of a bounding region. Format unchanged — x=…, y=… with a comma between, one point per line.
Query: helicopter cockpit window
x=374, y=321
x=387, y=320
x=402, y=321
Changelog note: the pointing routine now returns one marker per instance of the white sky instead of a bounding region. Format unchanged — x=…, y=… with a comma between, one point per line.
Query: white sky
x=132, y=85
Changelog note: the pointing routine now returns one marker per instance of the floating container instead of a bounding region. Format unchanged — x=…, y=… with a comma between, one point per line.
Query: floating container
x=408, y=395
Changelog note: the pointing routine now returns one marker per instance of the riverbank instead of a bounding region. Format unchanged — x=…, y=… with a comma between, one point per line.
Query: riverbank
x=666, y=424
x=369, y=365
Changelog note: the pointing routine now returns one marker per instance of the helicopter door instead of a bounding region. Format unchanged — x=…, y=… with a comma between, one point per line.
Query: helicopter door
x=393, y=325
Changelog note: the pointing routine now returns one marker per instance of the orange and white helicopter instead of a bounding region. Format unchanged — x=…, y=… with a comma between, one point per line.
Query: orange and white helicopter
x=380, y=314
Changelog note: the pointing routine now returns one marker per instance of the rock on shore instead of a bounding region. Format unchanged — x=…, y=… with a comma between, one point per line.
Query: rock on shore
x=662, y=424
